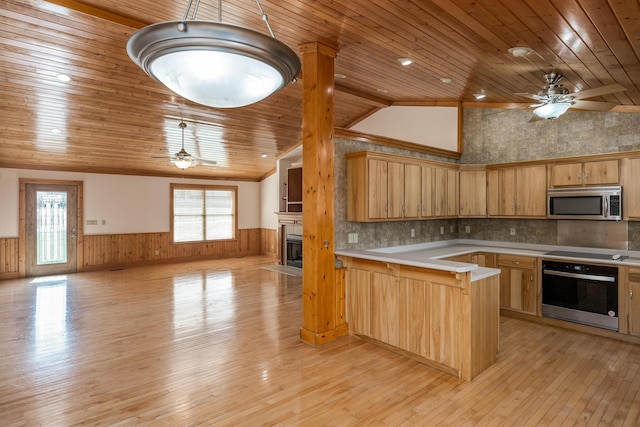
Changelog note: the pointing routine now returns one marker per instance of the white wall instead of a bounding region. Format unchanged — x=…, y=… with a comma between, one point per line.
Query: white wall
x=127, y=204
x=269, y=202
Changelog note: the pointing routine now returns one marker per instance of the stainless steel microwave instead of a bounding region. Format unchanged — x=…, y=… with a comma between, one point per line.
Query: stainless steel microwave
x=599, y=203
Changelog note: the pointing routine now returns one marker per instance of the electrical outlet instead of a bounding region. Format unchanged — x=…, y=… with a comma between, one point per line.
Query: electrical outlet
x=355, y=237
x=350, y=237
x=467, y=229
x=413, y=232
x=104, y=221
x=441, y=230
x=92, y=222
x=452, y=228
x=512, y=231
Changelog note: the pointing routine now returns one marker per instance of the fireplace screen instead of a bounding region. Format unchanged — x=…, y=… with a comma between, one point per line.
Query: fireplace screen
x=294, y=250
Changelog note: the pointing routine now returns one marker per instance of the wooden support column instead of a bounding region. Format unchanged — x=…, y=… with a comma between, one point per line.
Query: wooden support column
x=322, y=318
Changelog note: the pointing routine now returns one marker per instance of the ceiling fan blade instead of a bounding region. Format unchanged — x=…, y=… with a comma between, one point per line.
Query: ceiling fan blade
x=162, y=157
x=598, y=91
x=531, y=96
x=535, y=118
x=593, y=105
x=207, y=162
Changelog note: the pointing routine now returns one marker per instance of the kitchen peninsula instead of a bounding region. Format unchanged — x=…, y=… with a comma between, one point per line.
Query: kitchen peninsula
x=418, y=301
x=443, y=313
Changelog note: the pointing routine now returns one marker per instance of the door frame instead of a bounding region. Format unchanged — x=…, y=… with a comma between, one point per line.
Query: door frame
x=22, y=221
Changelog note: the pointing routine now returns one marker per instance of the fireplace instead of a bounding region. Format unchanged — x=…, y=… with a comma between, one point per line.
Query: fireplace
x=294, y=250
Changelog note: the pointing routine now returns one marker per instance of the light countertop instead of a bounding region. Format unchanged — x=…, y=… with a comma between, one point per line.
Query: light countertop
x=430, y=255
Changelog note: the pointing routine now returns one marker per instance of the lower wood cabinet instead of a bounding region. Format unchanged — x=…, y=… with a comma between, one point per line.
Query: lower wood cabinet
x=440, y=318
x=480, y=258
x=634, y=301
x=518, y=283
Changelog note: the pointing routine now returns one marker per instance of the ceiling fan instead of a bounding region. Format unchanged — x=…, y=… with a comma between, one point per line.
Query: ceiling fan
x=184, y=160
x=554, y=99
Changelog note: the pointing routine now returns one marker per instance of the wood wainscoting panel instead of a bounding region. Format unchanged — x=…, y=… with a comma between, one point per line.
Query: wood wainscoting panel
x=269, y=242
x=136, y=248
x=9, y=258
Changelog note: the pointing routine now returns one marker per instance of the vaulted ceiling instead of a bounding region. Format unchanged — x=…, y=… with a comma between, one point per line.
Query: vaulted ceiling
x=113, y=118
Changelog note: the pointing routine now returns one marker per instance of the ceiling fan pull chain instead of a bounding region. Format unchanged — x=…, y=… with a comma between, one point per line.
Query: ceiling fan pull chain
x=265, y=18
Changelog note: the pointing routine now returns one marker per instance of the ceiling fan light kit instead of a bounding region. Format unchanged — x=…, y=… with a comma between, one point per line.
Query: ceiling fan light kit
x=552, y=111
x=214, y=64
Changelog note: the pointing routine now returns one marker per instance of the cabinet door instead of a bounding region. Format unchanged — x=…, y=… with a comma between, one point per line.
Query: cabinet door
x=531, y=191
x=601, y=172
x=412, y=189
x=378, y=188
x=385, y=308
x=473, y=193
x=518, y=288
x=631, y=191
x=395, y=189
x=452, y=192
x=634, y=308
x=566, y=174
x=359, y=301
x=501, y=190
x=440, y=192
x=427, y=198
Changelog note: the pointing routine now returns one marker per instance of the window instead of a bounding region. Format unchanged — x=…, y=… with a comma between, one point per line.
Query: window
x=201, y=213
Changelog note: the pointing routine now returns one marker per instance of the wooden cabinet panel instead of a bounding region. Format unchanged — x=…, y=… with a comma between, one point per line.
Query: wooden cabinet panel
x=378, y=188
x=517, y=191
x=414, y=323
x=395, y=190
x=473, y=193
x=501, y=192
x=634, y=301
x=631, y=193
x=440, y=192
x=444, y=318
x=518, y=283
x=569, y=174
x=412, y=191
x=385, y=307
x=531, y=191
x=452, y=192
x=601, y=172
x=428, y=191
x=359, y=301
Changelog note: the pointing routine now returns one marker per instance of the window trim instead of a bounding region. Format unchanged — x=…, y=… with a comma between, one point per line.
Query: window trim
x=233, y=188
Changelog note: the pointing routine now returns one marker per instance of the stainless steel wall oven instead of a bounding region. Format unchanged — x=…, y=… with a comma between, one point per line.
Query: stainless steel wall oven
x=581, y=293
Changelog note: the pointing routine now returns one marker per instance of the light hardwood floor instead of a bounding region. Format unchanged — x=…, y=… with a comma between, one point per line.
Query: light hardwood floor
x=216, y=343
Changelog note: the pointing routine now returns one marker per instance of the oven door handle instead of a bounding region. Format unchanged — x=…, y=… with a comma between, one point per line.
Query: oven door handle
x=580, y=276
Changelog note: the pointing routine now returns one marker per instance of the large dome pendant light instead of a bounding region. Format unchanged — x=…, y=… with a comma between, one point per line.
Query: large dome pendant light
x=214, y=64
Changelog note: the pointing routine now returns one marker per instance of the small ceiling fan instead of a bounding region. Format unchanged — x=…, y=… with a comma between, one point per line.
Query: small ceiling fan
x=184, y=160
x=554, y=99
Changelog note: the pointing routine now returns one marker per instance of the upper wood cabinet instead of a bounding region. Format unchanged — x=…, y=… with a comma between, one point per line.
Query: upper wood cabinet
x=631, y=189
x=381, y=188
x=473, y=193
x=517, y=191
x=601, y=172
x=439, y=191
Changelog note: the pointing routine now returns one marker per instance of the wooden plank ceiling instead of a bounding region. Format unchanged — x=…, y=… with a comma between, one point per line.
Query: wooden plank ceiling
x=114, y=118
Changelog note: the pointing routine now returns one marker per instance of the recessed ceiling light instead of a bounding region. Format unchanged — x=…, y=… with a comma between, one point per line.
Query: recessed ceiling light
x=63, y=77
x=520, y=51
x=339, y=76
x=405, y=61
x=480, y=95
x=446, y=80
x=263, y=155
x=56, y=131
x=382, y=90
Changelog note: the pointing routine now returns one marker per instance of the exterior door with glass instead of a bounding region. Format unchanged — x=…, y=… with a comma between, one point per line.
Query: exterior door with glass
x=51, y=229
